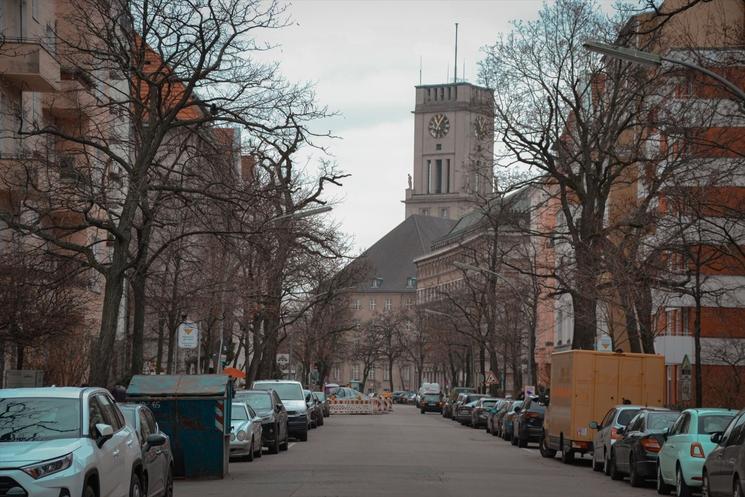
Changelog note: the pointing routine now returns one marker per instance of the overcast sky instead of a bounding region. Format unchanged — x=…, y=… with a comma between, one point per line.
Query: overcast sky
x=364, y=58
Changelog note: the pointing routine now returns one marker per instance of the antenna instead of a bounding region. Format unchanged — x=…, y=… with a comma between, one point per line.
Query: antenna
x=448, y=73
x=420, y=70
x=464, y=70
x=455, y=70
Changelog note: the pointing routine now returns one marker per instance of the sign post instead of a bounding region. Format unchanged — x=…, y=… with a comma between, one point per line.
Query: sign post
x=685, y=378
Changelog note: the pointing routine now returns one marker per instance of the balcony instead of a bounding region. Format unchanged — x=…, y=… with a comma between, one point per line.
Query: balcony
x=29, y=65
x=73, y=100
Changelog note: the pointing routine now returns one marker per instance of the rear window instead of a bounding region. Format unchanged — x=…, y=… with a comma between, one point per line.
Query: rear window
x=257, y=400
x=490, y=403
x=537, y=408
x=625, y=416
x=286, y=391
x=432, y=397
x=713, y=423
x=661, y=420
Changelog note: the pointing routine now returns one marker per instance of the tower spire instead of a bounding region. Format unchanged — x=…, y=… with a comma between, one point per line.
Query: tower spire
x=455, y=67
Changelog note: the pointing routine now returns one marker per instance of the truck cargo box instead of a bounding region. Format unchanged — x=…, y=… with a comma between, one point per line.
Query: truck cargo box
x=585, y=384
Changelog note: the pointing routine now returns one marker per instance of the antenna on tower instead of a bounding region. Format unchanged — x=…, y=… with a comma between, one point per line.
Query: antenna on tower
x=464, y=70
x=455, y=70
x=420, y=70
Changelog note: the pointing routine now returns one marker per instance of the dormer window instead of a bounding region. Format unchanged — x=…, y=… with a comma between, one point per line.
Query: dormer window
x=377, y=283
x=410, y=282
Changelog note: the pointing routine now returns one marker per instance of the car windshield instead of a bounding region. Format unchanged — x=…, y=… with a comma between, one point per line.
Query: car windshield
x=257, y=400
x=286, y=391
x=432, y=397
x=516, y=405
x=490, y=403
x=625, y=416
x=713, y=423
x=25, y=419
x=661, y=420
x=238, y=413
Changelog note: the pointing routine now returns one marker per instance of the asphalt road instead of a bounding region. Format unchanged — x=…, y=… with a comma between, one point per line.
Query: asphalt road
x=407, y=454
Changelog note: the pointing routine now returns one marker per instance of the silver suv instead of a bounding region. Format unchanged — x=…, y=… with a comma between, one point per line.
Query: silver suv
x=67, y=442
x=293, y=398
x=607, y=434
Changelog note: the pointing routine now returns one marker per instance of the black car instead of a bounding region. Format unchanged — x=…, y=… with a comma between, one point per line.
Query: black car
x=269, y=407
x=156, y=449
x=315, y=409
x=724, y=469
x=462, y=412
x=479, y=413
x=636, y=452
x=430, y=402
x=528, y=423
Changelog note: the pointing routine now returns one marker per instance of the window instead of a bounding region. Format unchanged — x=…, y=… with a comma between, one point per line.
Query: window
x=356, y=304
x=336, y=373
x=444, y=212
x=144, y=429
x=407, y=373
x=446, y=177
x=376, y=283
x=372, y=304
x=410, y=282
x=410, y=302
x=95, y=416
x=736, y=431
x=35, y=9
x=438, y=146
x=111, y=413
x=371, y=373
x=428, y=170
x=356, y=372
x=424, y=212
x=438, y=176
x=387, y=374
x=608, y=418
x=387, y=305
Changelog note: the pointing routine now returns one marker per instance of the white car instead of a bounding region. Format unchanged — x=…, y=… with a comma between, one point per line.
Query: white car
x=67, y=442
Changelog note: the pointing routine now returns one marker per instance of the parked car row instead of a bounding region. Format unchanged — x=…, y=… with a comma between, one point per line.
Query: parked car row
x=696, y=450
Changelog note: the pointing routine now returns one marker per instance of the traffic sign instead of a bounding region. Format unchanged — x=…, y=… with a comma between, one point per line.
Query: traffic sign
x=491, y=379
x=188, y=336
x=283, y=361
x=604, y=343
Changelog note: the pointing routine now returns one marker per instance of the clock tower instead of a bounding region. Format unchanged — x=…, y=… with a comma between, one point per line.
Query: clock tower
x=453, y=150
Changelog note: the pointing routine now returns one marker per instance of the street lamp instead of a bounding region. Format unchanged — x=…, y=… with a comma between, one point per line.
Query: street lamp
x=655, y=60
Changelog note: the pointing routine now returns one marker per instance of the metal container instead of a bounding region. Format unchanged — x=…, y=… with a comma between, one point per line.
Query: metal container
x=194, y=410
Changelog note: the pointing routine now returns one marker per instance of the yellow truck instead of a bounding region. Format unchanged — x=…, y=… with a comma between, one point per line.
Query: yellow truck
x=585, y=384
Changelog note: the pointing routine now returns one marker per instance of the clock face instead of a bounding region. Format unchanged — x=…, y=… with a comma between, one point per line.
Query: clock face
x=439, y=126
x=481, y=127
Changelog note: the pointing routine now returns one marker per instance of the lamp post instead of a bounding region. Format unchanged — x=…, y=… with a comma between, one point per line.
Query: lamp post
x=655, y=60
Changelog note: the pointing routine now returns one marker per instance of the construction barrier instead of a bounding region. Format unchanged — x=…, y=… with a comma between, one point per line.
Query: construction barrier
x=371, y=406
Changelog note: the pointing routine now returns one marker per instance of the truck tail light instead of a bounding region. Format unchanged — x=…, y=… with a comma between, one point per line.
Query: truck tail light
x=532, y=415
x=697, y=450
x=650, y=444
x=614, y=434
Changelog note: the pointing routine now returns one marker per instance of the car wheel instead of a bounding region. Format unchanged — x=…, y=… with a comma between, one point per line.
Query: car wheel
x=250, y=455
x=606, y=464
x=135, y=486
x=513, y=440
x=705, y=490
x=634, y=477
x=320, y=420
x=567, y=456
x=89, y=492
x=681, y=488
x=422, y=411
x=662, y=487
x=169, y=483
x=613, y=471
x=274, y=448
x=737, y=489
x=522, y=442
x=258, y=452
x=286, y=444
x=596, y=465
x=545, y=451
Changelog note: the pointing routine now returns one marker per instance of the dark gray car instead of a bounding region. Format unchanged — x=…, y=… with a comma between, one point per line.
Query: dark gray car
x=157, y=456
x=724, y=469
x=267, y=405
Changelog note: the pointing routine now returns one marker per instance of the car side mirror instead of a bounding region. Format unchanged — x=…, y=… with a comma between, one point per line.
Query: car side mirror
x=104, y=432
x=594, y=425
x=278, y=408
x=155, y=440
x=621, y=430
x=716, y=437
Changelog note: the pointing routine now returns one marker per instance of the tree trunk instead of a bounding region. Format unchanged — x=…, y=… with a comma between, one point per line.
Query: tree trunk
x=19, y=356
x=697, y=346
x=632, y=329
x=644, y=315
x=139, y=282
x=482, y=367
x=585, y=321
x=390, y=374
x=101, y=354
x=161, y=339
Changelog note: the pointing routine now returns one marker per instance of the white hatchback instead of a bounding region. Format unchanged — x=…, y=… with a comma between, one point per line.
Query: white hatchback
x=66, y=442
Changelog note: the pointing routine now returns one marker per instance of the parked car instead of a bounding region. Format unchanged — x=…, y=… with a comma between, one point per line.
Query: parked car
x=452, y=397
x=508, y=420
x=54, y=441
x=724, y=469
x=325, y=407
x=478, y=413
x=636, y=452
x=492, y=415
x=291, y=394
x=245, y=432
x=607, y=434
x=346, y=393
x=275, y=433
x=315, y=410
x=431, y=402
x=155, y=446
x=528, y=423
x=459, y=400
x=688, y=441
x=463, y=411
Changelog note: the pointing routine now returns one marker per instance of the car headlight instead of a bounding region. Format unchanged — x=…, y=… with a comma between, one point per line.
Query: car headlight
x=49, y=467
x=241, y=436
